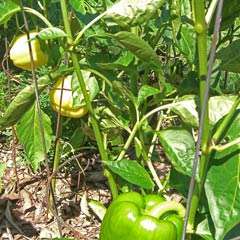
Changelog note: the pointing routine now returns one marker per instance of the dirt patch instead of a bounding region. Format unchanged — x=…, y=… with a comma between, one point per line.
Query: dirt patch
x=24, y=205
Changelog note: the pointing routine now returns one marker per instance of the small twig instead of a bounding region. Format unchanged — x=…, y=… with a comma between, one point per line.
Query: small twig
x=68, y=161
x=6, y=69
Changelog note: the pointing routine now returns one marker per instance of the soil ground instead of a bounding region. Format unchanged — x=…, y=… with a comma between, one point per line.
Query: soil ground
x=24, y=212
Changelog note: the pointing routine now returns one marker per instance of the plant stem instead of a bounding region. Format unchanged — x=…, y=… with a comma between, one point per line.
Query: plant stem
x=150, y=151
x=39, y=15
x=202, y=143
x=57, y=149
x=223, y=147
x=139, y=123
x=76, y=65
x=128, y=142
x=55, y=166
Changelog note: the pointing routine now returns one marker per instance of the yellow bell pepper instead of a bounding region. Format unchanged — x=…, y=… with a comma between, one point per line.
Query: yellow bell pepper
x=19, y=53
x=66, y=108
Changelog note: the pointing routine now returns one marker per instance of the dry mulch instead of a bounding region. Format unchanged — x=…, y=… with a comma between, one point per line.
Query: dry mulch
x=24, y=212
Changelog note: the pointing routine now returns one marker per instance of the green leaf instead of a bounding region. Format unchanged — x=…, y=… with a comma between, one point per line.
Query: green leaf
x=132, y=172
x=186, y=42
x=51, y=33
x=128, y=13
x=29, y=134
x=75, y=140
x=230, y=57
x=187, y=110
x=222, y=184
x=24, y=100
x=91, y=85
x=179, y=147
x=233, y=234
x=138, y=47
x=230, y=12
x=180, y=182
x=145, y=92
x=175, y=12
x=84, y=7
x=7, y=9
x=122, y=90
x=203, y=230
x=125, y=59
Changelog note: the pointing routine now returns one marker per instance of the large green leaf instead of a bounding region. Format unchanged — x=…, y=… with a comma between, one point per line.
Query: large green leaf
x=131, y=12
x=179, y=147
x=132, y=172
x=189, y=106
x=7, y=9
x=230, y=57
x=138, y=47
x=24, y=100
x=223, y=184
x=29, y=134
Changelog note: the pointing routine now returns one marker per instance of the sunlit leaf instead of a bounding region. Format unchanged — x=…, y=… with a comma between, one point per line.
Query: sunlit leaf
x=7, y=9
x=132, y=12
x=132, y=172
x=145, y=92
x=179, y=146
x=29, y=134
x=51, y=33
x=24, y=100
x=190, y=105
x=222, y=184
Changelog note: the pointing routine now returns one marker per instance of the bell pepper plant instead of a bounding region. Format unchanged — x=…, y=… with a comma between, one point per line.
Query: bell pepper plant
x=62, y=89
x=19, y=52
x=132, y=216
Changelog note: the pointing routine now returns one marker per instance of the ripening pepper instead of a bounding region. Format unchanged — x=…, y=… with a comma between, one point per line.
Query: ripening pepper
x=132, y=216
x=19, y=52
x=65, y=107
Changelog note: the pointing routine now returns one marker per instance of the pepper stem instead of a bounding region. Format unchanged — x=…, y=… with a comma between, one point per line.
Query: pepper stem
x=167, y=206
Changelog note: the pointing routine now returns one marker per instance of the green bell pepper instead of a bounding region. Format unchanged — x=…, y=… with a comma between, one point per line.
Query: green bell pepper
x=132, y=216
